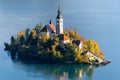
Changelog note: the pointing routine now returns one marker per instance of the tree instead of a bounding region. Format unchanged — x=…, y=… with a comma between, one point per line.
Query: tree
x=34, y=34
x=82, y=58
x=73, y=34
x=43, y=37
x=20, y=33
x=78, y=57
x=13, y=40
x=7, y=46
x=22, y=40
x=93, y=46
x=39, y=26
x=29, y=40
x=69, y=54
x=27, y=32
x=13, y=48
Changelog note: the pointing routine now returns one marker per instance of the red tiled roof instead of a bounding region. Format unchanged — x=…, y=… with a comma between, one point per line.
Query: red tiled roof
x=63, y=37
x=52, y=26
x=49, y=28
x=66, y=37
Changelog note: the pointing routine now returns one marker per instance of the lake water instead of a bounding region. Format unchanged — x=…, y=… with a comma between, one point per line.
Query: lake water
x=94, y=19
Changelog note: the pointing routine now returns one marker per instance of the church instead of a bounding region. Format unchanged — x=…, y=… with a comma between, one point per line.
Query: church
x=51, y=29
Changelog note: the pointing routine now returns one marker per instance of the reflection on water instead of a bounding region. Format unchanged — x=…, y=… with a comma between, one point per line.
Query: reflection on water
x=57, y=71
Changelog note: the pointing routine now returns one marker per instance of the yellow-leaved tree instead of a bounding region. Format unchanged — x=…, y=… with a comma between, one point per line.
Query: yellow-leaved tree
x=93, y=46
x=20, y=33
x=34, y=34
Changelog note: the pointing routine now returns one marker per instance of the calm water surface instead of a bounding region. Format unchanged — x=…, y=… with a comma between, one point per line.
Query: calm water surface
x=94, y=19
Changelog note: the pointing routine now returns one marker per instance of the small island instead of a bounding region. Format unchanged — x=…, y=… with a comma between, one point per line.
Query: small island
x=54, y=44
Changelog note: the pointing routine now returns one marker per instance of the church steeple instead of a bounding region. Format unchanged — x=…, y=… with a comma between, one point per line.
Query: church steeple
x=59, y=22
x=58, y=9
x=59, y=15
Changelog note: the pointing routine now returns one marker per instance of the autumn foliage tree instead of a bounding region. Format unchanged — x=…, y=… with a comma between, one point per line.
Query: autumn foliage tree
x=73, y=34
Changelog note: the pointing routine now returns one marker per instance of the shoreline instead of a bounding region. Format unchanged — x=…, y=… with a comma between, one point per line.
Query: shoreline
x=38, y=60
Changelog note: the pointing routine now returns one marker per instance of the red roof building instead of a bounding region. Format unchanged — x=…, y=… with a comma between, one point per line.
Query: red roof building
x=51, y=25
x=65, y=39
x=49, y=28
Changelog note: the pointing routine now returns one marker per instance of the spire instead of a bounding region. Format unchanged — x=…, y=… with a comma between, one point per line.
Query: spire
x=59, y=10
x=50, y=21
x=59, y=13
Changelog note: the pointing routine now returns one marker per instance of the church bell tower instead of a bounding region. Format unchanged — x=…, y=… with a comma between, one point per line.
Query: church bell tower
x=59, y=22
